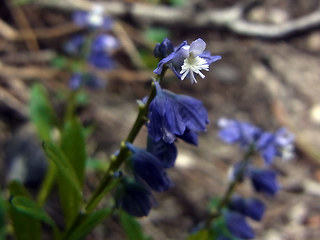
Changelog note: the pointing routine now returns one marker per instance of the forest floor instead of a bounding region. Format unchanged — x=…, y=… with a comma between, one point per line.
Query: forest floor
x=268, y=79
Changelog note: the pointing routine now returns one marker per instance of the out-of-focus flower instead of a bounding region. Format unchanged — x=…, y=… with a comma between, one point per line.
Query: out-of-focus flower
x=105, y=43
x=101, y=60
x=187, y=60
x=89, y=80
x=238, y=226
x=74, y=45
x=149, y=168
x=95, y=18
x=172, y=115
x=269, y=145
x=133, y=197
x=251, y=207
x=264, y=180
x=233, y=131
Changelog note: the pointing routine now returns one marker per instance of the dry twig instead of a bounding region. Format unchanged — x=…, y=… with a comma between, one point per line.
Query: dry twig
x=230, y=18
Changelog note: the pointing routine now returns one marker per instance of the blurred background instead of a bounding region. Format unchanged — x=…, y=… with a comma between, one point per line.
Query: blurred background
x=269, y=76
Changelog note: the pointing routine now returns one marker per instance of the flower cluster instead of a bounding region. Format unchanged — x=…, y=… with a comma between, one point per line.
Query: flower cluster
x=96, y=50
x=253, y=140
x=269, y=145
x=170, y=117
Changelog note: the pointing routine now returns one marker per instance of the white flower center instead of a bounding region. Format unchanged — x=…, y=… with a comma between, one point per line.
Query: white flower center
x=193, y=65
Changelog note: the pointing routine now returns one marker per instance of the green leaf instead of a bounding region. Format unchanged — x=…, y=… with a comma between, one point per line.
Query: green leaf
x=2, y=218
x=131, y=227
x=89, y=224
x=29, y=207
x=17, y=189
x=41, y=111
x=201, y=235
x=69, y=188
x=59, y=62
x=74, y=147
x=25, y=227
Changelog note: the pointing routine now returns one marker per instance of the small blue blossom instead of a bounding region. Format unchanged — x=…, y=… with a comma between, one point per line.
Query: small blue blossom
x=74, y=45
x=233, y=131
x=264, y=180
x=269, y=145
x=187, y=60
x=251, y=207
x=101, y=60
x=238, y=226
x=89, y=80
x=149, y=168
x=163, y=49
x=133, y=197
x=95, y=18
x=105, y=43
x=172, y=115
x=165, y=152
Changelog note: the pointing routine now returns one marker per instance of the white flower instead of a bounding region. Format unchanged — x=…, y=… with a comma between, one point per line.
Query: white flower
x=193, y=63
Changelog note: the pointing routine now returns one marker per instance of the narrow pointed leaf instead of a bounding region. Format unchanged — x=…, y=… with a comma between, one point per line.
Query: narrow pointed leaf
x=25, y=227
x=29, y=207
x=41, y=111
x=69, y=188
x=73, y=146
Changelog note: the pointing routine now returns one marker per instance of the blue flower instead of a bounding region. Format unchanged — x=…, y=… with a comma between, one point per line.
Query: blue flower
x=188, y=60
x=163, y=49
x=279, y=144
x=101, y=60
x=233, y=131
x=238, y=226
x=88, y=79
x=149, y=168
x=95, y=18
x=104, y=43
x=172, y=115
x=269, y=145
x=165, y=152
x=264, y=180
x=74, y=45
x=250, y=207
x=133, y=197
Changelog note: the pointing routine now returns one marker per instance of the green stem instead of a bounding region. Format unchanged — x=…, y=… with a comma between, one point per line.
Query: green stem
x=232, y=186
x=47, y=184
x=116, y=161
x=108, y=181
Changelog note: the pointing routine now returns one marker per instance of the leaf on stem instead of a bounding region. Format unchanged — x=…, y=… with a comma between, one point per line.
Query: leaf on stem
x=73, y=146
x=41, y=111
x=69, y=188
x=131, y=227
